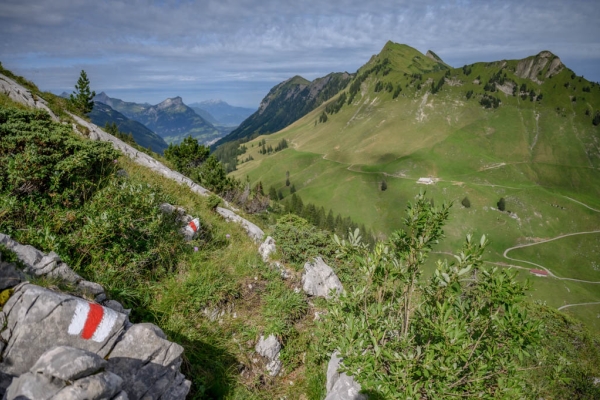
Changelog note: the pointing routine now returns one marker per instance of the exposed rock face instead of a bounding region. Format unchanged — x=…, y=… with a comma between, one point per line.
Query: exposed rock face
x=253, y=231
x=18, y=93
x=530, y=67
x=341, y=386
x=267, y=248
x=53, y=345
x=319, y=279
x=270, y=348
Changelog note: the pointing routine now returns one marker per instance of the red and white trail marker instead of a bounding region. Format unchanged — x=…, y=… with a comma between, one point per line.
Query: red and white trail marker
x=193, y=226
x=92, y=321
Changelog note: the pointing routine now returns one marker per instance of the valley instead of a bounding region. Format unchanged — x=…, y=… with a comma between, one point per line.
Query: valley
x=537, y=148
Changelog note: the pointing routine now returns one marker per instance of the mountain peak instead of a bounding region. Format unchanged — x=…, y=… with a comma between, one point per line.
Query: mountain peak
x=174, y=101
x=213, y=102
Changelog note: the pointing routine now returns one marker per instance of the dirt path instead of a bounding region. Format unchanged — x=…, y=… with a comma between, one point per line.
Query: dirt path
x=578, y=304
x=541, y=266
x=585, y=205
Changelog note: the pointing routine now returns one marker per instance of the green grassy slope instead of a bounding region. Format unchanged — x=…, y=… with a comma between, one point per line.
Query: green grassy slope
x=535, y=153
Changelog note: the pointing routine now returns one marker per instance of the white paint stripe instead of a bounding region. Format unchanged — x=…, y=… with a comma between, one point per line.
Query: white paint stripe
x=79, y=317
x=108, y=321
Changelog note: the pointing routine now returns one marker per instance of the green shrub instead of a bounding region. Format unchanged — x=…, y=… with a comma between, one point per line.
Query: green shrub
x=465, y=332
x=466, y=202
x=298, y=241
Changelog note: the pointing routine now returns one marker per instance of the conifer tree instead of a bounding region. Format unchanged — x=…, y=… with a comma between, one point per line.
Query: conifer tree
x=82, y=97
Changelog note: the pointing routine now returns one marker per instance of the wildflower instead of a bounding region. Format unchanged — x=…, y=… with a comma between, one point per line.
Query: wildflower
x=195, y=248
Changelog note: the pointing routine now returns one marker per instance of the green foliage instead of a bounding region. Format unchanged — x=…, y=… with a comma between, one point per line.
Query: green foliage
x=397, y=91
x=501, y=204
x=596, y=119
x=298, y=241
x=469, y=94
x=213, y=201
x=489, y=101
x=383, y=186
x=323, y=117
x=42, y=161
x=187, y=156
x=335, y=106
x=82, y=97
x=466, y=202
x=464, y=332
x=437, y=87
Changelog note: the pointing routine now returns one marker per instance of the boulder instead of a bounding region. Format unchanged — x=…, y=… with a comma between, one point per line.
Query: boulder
x=66, y=373
x=39, y=319
x=341, y=386
x=148, y=363
x=252, y=230
x=270, y=348
x=319, y=279
x=191, y=225
x=267, y=248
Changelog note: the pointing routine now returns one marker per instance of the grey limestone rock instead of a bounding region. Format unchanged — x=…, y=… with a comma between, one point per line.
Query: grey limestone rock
x=39, y=319
x=68, y=363
x=66, y=373
x=10, y=276
x=252, y=230
x=46, y=265
x=29, y=255
x=90, y=288
x=319, y=279
x=19, y=94
x=191, y=224
x=62, y=271
x=267, y=248
x=341, y=386
x=148, y=363
x=268, y=347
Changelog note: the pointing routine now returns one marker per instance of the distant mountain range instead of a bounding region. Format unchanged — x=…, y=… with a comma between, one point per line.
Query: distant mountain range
x=286, y=103
x=219, y=112
x=102, y=114
x=171, y=119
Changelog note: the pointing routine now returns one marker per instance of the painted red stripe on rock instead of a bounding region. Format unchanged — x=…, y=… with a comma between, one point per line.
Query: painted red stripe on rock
x=193, y=226
x=94, y=318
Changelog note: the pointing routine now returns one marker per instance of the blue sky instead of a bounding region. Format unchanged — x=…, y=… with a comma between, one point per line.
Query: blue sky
x=236, y=50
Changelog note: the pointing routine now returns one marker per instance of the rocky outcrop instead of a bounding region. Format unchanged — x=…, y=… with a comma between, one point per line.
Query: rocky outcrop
x=267, y=248
x=341, y=386
x=252, y=230
x=320, y=280
x=531, y=67
x=67, y=373
x=41, y=328
x=270, y=349
x=19, y=94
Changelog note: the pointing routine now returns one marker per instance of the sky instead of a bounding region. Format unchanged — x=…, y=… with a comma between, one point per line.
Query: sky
x=236, y=50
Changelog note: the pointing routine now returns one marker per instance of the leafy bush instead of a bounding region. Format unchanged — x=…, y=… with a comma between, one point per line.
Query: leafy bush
x=464, y=332
x=298, y=241
x=501, y=204
x=466, y=202
x=44, y=161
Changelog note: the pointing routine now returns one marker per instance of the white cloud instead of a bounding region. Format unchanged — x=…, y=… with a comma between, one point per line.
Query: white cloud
x=250, y=45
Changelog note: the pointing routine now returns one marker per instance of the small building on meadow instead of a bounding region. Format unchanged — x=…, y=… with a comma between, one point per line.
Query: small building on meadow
x=539, y=272
x=426, y=181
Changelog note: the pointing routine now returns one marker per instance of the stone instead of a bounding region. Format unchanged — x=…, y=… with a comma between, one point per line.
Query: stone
x=319, y=279
x=341, y=386
x=66, y=373
x=267, y=248
x=65, y=273
x=48, y=263
x=90, y=288
x=148, y=363
x=39, y=319
x=252, y=230
x=118, y=307
x=268, y=347
x=10, y=276
x=68, y=363
x=274, y=366
x=103, y=385
x=28, y=254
